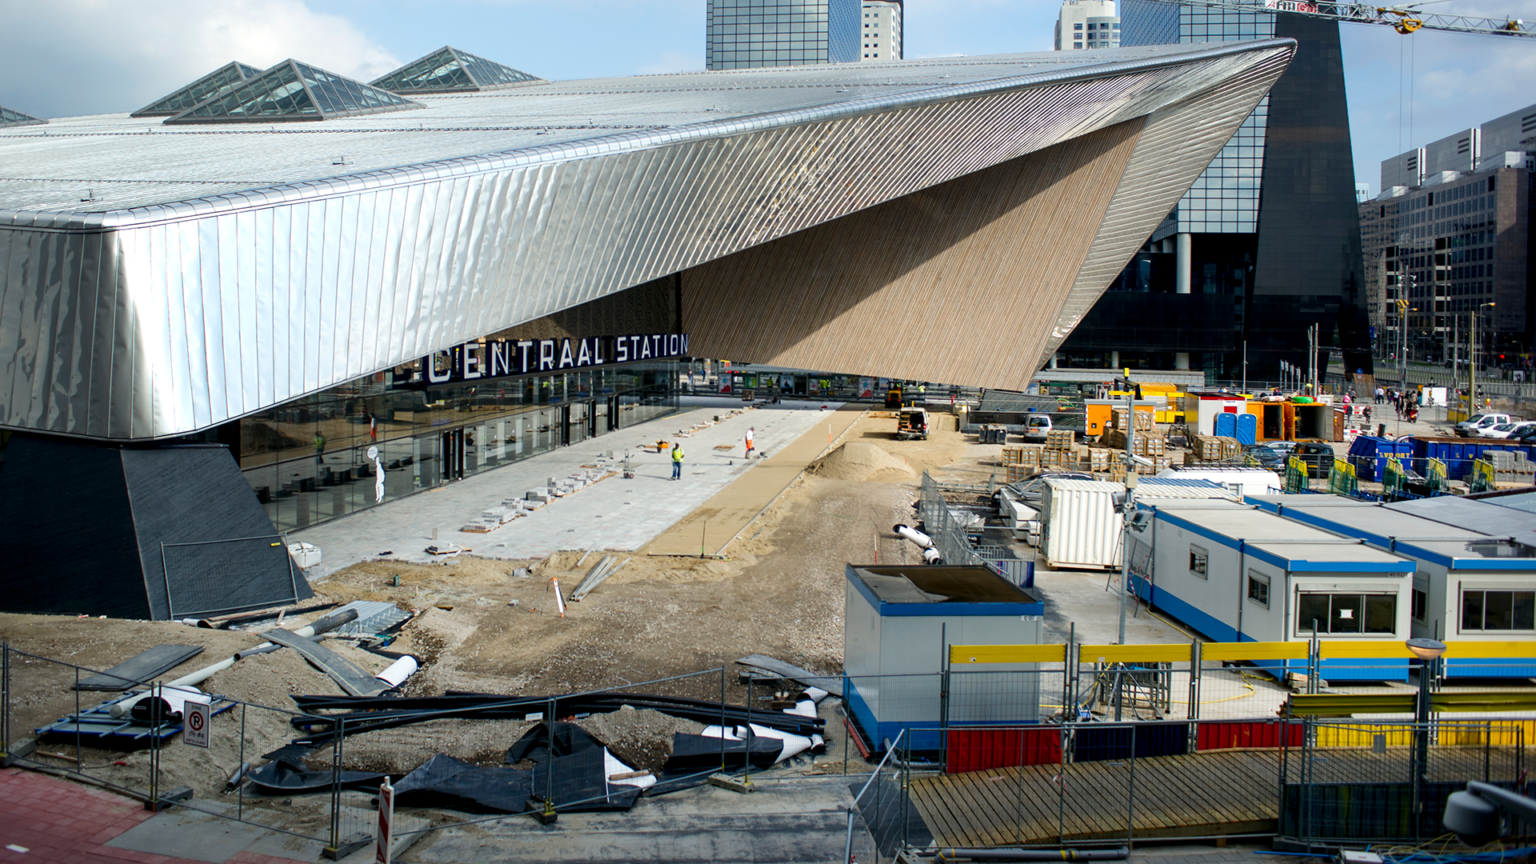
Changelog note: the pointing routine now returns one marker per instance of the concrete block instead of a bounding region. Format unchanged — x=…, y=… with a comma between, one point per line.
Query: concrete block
x=734, y=784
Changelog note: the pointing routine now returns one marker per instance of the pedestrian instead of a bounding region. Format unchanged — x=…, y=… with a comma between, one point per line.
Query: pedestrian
x=749, y=442
x=1379, y=395
x=319, y=448
x=677, y=460
x=1366, y=412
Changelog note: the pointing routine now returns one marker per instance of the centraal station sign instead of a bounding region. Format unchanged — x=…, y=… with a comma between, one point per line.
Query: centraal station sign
x=474, y=361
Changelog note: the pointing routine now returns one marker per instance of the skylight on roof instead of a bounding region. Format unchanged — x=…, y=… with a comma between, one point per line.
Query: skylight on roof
x=293, y=91
x=8, y=117
x=449, y=70
x=220, y=79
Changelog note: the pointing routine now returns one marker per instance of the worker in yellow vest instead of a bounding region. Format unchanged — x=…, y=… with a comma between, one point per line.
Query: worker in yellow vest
x=677, y=461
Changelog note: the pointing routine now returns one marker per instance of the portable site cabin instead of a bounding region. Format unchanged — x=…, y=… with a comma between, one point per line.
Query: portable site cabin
x=1243, y=481
x=1080, y=527
x=1313, y=421
x=1238, y=574
x=1270, y=420
x=1470, y=586
x=1098, y=413
x=1203, y=411
x=898, y=625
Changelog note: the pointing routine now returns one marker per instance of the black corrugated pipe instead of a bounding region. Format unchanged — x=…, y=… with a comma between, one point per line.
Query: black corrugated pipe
x=1030, y=854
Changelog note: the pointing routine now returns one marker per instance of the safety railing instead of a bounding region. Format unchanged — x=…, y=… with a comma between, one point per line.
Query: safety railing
x=878, y=817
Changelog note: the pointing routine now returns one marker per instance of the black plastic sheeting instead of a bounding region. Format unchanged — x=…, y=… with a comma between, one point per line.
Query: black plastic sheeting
x=535, y=743
x=695, y=753
x=575, y=783
x=282, y=777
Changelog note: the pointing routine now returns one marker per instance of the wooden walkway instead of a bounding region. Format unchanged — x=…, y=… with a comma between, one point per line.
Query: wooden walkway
x=1201, y=795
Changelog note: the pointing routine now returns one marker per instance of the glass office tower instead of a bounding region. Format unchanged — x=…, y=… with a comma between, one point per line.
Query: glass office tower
x=1265, y=243
x=747, y=34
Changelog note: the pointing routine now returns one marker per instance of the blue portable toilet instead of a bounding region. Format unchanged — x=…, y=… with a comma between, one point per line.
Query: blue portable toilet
x=1247, y=429
x=1226, y=425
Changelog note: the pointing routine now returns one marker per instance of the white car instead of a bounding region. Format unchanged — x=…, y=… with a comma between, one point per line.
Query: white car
x=1472, y=426
x=1507, y=430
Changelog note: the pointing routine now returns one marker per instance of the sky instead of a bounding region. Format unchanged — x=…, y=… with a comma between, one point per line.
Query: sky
x=70, y=57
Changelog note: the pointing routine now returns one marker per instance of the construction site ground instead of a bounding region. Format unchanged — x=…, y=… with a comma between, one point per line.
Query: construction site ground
x=491, y=624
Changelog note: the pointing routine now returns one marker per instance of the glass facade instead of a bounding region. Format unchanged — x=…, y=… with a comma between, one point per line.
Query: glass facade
x=293, y=91
x=214, y=82
x=451, y=70
x=307, y=460
x=748, y=34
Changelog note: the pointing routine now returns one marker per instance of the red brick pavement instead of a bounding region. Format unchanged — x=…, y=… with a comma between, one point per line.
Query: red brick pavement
x=60, y=822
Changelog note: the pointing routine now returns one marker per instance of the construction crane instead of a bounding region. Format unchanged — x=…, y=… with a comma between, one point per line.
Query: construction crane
x=1405, y=19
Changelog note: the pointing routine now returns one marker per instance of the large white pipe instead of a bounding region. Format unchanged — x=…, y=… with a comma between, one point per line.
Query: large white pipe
x=914, y=535
x=931, y=555
x=190, y=681
x=398, y=671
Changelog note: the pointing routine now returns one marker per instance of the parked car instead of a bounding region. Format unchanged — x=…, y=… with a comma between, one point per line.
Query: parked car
x=1266, y=457
x=1470, y=427
x=1032, y=491
x=1318, y=458
x=1284, y=448
x=1512, y=429
x=1036, y=427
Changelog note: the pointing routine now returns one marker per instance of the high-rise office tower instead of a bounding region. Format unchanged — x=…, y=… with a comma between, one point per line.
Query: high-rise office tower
x=1267, y=241
x=747, y=34
x=1087, y=24
x=881, y=30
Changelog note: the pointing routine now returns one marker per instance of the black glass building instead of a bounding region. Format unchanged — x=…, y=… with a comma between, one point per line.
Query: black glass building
x=1266, y=242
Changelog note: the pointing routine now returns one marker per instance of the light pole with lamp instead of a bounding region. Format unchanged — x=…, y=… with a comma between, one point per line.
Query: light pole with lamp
x=1428, y=651
x=1472, y=366
x=1402, y=356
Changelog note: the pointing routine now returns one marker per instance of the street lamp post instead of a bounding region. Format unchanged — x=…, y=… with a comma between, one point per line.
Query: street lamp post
x=1428, y=651
x=1472, y=364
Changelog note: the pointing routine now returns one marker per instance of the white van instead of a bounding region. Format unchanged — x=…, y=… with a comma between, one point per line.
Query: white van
x=1036, y=428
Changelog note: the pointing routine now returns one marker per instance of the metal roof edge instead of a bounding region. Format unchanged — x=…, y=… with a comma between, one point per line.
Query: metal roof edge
x=636, y=141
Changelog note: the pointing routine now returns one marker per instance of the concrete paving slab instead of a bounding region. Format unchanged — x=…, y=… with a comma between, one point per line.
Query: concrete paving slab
x=198, y=835
x=716, y=522
x=613, y=514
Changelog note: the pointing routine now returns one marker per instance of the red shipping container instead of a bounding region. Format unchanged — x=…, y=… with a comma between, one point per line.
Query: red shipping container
x=1248, y=733
x=980, y=749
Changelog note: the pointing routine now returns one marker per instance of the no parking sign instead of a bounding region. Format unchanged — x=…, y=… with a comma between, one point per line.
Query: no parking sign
x=195, y=727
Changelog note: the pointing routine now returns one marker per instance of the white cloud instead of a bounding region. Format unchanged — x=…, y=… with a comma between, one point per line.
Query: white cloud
x=69, y=57
x=672, y=61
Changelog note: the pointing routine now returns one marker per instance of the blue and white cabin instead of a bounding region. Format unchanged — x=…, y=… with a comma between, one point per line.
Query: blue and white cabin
x=1238, y=574
x=1470, y=585
x=898, y=624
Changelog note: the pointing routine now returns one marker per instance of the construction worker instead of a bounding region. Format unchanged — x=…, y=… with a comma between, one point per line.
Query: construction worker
x=677, y=460
x=749, y=442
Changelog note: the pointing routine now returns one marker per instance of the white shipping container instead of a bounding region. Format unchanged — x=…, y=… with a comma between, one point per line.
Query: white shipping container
x=1079, y=525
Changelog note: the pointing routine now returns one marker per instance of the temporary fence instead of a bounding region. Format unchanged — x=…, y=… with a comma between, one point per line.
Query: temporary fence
x=322, y=789
x=880, y=813
x=950, y=535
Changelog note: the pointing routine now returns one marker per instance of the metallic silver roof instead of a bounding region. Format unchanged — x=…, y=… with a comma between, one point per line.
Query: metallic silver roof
x=130, y=163
x=217, y=271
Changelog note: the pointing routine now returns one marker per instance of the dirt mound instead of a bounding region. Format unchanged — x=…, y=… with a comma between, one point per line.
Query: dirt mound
x=639, y=738
x=862, y=461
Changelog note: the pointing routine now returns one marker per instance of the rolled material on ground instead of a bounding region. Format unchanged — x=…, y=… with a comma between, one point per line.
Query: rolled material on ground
x=914, y=535
x=931, y=556
x=396, y=673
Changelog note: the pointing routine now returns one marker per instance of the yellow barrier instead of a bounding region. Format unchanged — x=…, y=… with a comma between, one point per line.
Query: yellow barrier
x=965, y=654
x=1363, y=735
x=1339, y=649
x=1133, y=653
x=1229, y=651
x=1489, y=650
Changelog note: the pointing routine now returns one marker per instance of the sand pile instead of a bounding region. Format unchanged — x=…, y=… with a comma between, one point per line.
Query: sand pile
x=865, y=462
